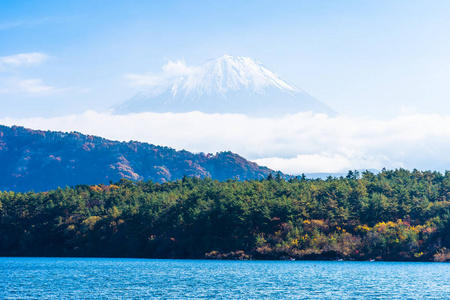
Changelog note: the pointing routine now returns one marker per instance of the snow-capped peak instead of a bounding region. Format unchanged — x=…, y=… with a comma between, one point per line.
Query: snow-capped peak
x=228, y=84
x=227, y=73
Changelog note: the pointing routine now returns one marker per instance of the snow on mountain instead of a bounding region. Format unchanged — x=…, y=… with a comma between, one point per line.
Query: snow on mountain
x=225, y=85
x=227, y=73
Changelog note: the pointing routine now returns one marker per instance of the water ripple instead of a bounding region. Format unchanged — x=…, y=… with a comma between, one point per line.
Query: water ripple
x=100, y=278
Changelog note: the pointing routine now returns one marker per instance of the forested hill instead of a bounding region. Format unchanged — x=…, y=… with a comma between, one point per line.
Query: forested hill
x=43, y=160
x=394, y=215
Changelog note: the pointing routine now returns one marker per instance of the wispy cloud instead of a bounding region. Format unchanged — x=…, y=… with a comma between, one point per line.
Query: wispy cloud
x=33, y=86
x=300, y=143
x=27, y=23
x=9, y=25
x=19, y=85
x=170, y=72
x=24, y=59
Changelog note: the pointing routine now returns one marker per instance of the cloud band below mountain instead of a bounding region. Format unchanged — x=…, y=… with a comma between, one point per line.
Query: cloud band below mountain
x=300, y=143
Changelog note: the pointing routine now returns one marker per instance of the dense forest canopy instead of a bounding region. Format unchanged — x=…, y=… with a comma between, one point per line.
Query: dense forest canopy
x=393, y=215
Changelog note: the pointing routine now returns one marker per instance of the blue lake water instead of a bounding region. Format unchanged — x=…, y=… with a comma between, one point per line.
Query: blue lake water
x=105, y=278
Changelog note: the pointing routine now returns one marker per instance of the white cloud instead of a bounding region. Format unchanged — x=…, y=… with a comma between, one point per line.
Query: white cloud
x=327, y=163
x=24, y=59
x=17, y=85
x=300, y=143
x=170, y=71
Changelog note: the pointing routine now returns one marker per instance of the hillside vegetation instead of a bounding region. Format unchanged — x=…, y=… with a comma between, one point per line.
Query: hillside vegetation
x=394, y=215
x=43, y=160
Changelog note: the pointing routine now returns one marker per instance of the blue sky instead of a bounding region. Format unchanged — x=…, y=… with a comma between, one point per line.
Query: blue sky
x=359, y=57
x=377, y=60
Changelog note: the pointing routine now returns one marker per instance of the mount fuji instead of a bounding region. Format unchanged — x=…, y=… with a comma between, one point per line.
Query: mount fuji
x=225, y=85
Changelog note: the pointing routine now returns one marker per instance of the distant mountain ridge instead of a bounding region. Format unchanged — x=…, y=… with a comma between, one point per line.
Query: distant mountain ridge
x=225, y=85
x=42, y=160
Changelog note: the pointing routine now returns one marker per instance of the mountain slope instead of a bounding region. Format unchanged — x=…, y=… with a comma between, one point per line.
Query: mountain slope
x=43, y=160
x=225, y=85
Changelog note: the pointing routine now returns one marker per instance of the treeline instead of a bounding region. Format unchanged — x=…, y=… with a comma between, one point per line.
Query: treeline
x=393, y=215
